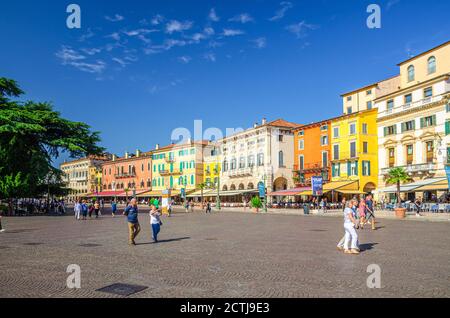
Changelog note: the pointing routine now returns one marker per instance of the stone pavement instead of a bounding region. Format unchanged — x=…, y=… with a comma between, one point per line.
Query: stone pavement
x=224, y=254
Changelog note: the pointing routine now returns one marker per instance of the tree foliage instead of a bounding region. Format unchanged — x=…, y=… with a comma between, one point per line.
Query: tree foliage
x=32, y=135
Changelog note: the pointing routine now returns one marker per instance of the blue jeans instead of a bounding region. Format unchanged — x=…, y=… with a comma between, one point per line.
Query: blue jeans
x=155, y=228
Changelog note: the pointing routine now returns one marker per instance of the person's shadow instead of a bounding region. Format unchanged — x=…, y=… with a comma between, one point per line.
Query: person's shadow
x=366, y=246
x=166, y=241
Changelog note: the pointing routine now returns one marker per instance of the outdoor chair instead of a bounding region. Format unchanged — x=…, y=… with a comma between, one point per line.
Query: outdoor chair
x=441, y=207
x=434, y=208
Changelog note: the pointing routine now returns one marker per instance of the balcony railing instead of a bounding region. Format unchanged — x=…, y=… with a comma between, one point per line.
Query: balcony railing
x=421, y=167
x=237, y=173
x=125, y=175
x=169, y=159
x=169, y=173
x=351, y=155
x=419, y=103
x=311, y=166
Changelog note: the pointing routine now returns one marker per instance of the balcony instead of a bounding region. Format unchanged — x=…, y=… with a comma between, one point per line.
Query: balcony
x=419, y=103
x=170, y=173
x=239, y=173
x=169, y=159
x=125, y=175
x=311, y=167
x=421, y=168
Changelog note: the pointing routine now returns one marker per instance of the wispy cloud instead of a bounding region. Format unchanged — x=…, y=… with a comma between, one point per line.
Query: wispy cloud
x=184, y=59
x=119, y=61
x=209, y=57
x=391, y=3
x=178, y=26
x=279, y=14
x=209, y=31
x=260, y=42
x=242, y=18
x=300, y=29
x=91, y=51
x=114, y=36
x=69, y=56
x=232, y=32
x=140, y=32
x=89, y=34
x=212, y=16
x=115, y=18
x=157, y=19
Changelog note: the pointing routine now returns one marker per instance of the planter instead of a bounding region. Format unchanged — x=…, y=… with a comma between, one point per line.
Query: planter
x=256, y=210
x=400, y=212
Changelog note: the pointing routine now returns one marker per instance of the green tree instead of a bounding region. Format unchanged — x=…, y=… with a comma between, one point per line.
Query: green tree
x=397, y=176
x=32, y=135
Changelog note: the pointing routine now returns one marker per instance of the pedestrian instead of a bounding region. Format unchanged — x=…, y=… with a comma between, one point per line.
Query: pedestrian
x=84, y=209
x=96, y=209
x=131, y=212
x=351, y=237
x=155, y=221
x=191, y=204
x=113, y=208
x=77, y=209
x=362, y=212
x=90, y=209
x=1, y=228
x=418, y=204
x=370, y=215
x=169, y=208
x=208, y=207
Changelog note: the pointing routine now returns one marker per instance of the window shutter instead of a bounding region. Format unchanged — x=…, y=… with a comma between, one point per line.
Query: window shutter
x=356, y=168
x=414, y=124
x=348, y=168
x=385, y=131
x=403, y=127
x=447, y=127
x=395, y=129
x=434, y=120
x=422, y=122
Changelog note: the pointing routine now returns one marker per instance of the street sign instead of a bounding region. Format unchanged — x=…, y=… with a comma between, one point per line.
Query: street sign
x=317, y=185
x=183, y=193
x=261, y=189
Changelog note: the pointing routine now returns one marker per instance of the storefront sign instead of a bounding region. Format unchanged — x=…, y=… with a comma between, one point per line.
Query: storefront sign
x=317, y=185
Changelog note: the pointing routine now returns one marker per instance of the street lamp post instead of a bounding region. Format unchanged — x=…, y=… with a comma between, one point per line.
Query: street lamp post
x=218, y=178
x=265, y=194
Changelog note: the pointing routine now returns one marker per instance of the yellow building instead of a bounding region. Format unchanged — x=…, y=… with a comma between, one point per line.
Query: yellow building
x=211, y=172
x=354, y=159
x=177, y=166
x=95, y=178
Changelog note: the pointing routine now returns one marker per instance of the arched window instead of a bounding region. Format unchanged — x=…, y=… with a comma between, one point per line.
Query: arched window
x=431, y=65
x=241, y=162
x=411, y=75
x=225, y=188
x=142, y=183
x=250, y=186
x=149, y=184
x=241, y=186
x=233, y=164
x=280, y=159
x=232, y=187
x=251, y=161
x=225, y=165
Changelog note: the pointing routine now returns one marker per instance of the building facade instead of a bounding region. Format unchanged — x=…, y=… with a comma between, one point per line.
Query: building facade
x=131, y=173
x=178, y=166
x=312, y=152
x=263, y=153
x=354, y=153
x=79, y=177
x=414, y=124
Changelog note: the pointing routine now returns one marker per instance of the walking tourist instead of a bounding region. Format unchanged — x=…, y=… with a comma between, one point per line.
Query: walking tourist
x=113, y=208
x=186, y=205
x=169, y=208
x=96, y=209
x=90, y=209
x=418, y=205
x=351, y=237
x=77, y=209
x=208, y=207
x=362, y=212
x=370, y=215
x=84, y=209
x=131, y=211
x=155, y=221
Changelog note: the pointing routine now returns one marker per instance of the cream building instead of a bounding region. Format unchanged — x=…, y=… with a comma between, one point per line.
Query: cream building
x=414, y=127
x=264, y=152
x=78, y=177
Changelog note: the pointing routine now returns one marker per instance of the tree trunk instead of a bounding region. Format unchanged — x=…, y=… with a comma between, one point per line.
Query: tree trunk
x=10, y=207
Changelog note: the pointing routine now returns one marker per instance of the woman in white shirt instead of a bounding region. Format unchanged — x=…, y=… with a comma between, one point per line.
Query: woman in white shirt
x=351, y=237
x=155, y=221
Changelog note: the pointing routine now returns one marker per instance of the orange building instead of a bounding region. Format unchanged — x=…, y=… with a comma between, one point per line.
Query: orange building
x=133, y=172
x=312, y=152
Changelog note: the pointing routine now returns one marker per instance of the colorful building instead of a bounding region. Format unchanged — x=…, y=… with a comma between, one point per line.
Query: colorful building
x=312, y=153
x=127, y=175
x=178, y=166
x=354, y=154
x=211, y=169
x=414, y=126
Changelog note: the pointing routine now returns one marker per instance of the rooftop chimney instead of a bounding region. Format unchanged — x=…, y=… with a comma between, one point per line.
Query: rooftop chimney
x=255, y=125
x=127, y=155
x=114, y=157
x=157, y=146
x=189, y=140
x=264, y=121
x=138, y=153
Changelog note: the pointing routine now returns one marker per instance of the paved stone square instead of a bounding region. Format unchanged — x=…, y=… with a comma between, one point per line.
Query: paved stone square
x=223, y=254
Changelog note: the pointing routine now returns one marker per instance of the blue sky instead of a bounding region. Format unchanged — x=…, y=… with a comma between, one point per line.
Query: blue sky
x=138, y=69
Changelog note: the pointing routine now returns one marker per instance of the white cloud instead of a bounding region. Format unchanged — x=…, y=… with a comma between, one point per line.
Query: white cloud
x=114, y=36
x=140, y=32
x=213, y=15
x=91, y=51
x=119, y=61
x=177, y=26
x=232, y=32
x=260, y=42
x=184, y=59
x=210, y=57
x=285, y=6
x=300, y=29
x=242, y=18
x=86, y=36
x=157, y=19
x=69, y=56
x=208, y=31
x=115, y=18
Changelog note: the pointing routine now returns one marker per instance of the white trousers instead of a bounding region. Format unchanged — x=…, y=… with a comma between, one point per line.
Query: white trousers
x=77, y=214
x=350, y=236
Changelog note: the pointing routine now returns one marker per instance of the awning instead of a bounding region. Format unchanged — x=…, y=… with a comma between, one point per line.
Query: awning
x=341, y=185
x=105, y=194
x=438, y=185
x=309, y=192
x=414, y=186
x=350, y=192
x=198, y=193
x=289, y=192
x=129, y=193
x=157, y=193
x=233, y=192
